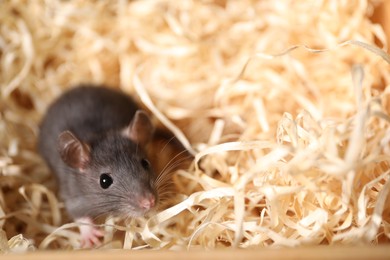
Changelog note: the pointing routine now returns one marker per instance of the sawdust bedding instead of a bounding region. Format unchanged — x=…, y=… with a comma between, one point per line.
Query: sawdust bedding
x=284, y=105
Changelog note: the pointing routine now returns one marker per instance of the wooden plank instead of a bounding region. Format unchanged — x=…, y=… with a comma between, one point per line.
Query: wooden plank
x=314, y=252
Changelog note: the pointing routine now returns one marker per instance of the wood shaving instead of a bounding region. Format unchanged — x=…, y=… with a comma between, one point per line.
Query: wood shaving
x=284, y=105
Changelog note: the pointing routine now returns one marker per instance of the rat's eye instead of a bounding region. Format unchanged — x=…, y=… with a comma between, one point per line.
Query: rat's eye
x=105, y=180
x=145, y=164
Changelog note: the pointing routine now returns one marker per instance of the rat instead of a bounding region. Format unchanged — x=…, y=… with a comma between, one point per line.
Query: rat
x=93, y=138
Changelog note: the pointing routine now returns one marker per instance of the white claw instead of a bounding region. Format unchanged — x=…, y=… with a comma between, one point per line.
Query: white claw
x=89, y=233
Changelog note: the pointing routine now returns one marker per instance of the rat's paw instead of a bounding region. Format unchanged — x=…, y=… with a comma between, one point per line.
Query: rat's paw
x=89, y=234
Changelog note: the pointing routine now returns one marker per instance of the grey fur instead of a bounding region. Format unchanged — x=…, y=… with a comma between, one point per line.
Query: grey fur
x=97, y=116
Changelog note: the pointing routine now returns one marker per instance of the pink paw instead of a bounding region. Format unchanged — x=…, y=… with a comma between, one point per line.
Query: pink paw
x=89, y=234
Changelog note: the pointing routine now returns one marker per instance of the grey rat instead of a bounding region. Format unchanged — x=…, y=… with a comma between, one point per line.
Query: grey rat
x=93, y=139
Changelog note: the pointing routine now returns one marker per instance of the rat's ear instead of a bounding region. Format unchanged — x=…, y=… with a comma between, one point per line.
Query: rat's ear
x=73, y=152
x=140, y=129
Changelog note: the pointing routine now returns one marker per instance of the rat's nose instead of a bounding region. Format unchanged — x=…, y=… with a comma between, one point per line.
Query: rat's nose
x=147, y=202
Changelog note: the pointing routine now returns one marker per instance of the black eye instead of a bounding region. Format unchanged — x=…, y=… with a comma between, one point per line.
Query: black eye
x=105, y=180
x=145, y=164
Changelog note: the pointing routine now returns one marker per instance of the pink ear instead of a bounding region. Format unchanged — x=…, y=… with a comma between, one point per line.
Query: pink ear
x=73, y=152
x=140, y=129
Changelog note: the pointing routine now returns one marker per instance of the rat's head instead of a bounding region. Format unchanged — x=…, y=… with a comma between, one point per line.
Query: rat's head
x=116, y=176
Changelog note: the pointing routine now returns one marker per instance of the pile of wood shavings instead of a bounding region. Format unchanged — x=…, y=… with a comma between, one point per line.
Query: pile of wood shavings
x=291, y=149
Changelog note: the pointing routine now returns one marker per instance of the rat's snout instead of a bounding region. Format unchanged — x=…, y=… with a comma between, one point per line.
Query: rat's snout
x=147, y=202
